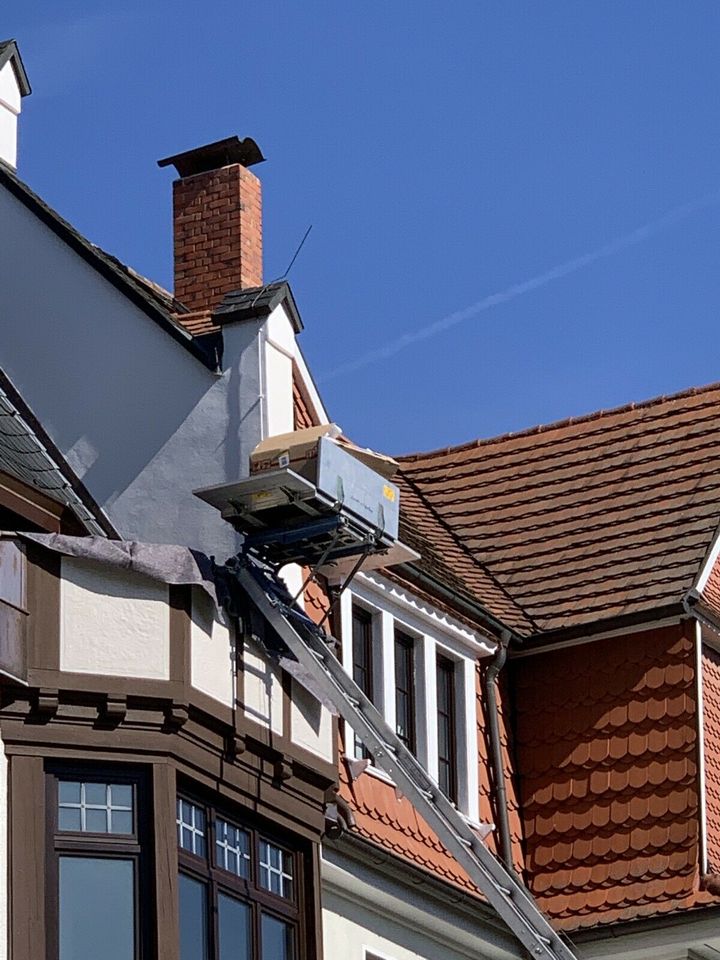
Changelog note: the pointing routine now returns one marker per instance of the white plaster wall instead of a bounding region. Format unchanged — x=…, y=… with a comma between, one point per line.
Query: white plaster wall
x=212, y=658
x=115, y=623
x=311, y=724
x=262, y=690
x=364, y=911
x=10, y=101
x=4, y=807
x=279, y=348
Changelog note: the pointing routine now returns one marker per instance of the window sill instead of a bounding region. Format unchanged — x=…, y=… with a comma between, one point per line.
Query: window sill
x=372, y=770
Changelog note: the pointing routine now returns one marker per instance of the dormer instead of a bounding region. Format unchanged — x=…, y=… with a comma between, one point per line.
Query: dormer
x=14, y=85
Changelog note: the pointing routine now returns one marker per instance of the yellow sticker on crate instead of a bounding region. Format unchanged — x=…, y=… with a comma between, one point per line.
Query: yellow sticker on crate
x=389, y=493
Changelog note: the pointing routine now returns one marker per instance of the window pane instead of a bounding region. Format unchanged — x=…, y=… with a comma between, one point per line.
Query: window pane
x=91, y=807
x=121, y=795
x=447, y=756
x=191, y=827
x=96, y=794
x=362, y=668
x=277, y=939
x=405, y=689
x=234, y=929
x=232, y=848
x=97, y=909
x=69, y=791
x=193, y=919
x=96, y=821
x=121, y=822
x=69, y=819
x=276, y=869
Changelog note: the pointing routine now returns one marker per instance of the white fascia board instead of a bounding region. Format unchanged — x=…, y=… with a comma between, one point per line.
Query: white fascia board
x=708, y=564
x=311, y=390
x=376, y=590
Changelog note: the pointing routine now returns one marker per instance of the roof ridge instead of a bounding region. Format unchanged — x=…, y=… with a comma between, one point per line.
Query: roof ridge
x=473, y=559
x=558, y=424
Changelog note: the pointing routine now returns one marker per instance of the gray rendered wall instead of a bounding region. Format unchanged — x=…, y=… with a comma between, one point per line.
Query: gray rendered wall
x=137, y=416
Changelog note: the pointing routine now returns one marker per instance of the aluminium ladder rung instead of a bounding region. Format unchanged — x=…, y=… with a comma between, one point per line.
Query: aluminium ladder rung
x=510, y=898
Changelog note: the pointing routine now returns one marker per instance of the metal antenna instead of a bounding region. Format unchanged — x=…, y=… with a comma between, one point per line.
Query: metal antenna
x=296, y=254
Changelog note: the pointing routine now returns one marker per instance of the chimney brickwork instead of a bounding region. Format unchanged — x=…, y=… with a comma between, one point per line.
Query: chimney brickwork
x=217, y=216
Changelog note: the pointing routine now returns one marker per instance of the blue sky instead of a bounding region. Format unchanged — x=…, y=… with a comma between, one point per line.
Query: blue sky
x=565, y=155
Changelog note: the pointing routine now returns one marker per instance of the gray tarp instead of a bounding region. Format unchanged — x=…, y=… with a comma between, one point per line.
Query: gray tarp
x=172, y=564
x=167, y=563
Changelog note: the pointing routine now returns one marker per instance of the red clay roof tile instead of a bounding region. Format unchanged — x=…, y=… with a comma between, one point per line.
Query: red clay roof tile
x=585, y=519
x=611, y=831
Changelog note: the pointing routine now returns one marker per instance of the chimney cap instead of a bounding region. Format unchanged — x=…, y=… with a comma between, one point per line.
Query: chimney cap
x=215, y=155
x=9, y=52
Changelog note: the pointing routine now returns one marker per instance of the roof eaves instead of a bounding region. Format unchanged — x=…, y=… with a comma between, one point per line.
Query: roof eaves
x=136, y=292
x=9, y=52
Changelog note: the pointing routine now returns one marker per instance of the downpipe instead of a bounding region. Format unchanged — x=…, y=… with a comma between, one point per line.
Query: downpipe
x=496, y=757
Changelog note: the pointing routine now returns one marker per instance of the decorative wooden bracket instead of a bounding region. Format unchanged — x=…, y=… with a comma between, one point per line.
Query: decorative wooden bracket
x=113, y=711
x=176, y=714
x=48, y=701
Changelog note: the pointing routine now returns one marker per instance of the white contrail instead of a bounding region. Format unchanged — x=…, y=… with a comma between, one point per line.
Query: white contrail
x=526, y=286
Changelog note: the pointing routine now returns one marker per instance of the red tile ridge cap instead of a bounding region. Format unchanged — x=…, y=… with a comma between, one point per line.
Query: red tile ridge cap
x=558, y=424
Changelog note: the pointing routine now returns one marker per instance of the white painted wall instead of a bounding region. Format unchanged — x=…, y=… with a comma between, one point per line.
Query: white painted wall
x=212, y=657
x=262, y=686
x=310, y=724
x=113, y=622
x=365, y=911
x=10, y=102
x=278, y=345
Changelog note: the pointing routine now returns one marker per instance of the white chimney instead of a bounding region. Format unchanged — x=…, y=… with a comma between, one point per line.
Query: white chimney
x=14, y=86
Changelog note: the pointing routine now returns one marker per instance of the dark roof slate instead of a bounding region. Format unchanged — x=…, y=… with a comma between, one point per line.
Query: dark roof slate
x=258, y=302
x=9, y=51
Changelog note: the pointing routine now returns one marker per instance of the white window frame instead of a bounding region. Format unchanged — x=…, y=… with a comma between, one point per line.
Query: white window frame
x=436, y=633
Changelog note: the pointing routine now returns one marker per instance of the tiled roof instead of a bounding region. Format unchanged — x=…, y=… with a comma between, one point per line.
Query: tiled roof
x=302, y=417
x=391, y=821
x=591, y=518
x=606, y=748
x=443, y=557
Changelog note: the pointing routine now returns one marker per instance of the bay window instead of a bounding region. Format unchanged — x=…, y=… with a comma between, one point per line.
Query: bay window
x=240, y=889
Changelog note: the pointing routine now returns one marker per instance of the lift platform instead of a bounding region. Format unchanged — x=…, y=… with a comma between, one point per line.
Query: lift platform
x=316, y=517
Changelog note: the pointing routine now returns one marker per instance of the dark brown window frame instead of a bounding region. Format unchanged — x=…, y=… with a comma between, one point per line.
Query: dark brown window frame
x=362, y=620
x=293, y=911
x=136, y=847
x=445, y=672
x=405, y=645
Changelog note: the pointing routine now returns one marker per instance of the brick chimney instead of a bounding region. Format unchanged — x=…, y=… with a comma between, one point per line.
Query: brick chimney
x=217, y=222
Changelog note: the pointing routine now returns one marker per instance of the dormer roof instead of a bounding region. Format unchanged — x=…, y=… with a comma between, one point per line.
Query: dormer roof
x=9, y=53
